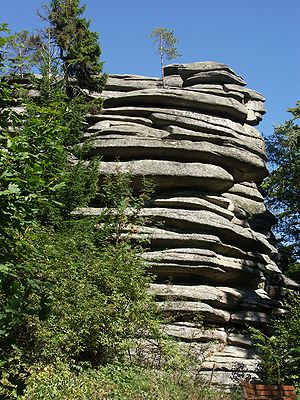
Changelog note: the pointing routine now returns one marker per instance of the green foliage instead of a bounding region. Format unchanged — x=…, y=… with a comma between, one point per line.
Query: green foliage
x=38, y=186
x=166, y=43
x=72, y=290
x=3, y=41
x=283, y=184
x=280, y=360
x=110, y=287
x=21, y=50
x=49, y=266
x=84, y=303
x=120, y=217
x=118, y=383
x=79, y=47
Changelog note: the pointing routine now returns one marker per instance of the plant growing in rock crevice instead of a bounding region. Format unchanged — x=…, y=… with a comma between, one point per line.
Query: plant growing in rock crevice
x=166, y=43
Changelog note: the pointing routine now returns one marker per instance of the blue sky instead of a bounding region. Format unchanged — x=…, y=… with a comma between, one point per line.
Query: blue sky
x=259, y=39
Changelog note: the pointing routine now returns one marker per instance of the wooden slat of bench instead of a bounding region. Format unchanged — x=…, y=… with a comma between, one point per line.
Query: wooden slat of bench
x=267, y=392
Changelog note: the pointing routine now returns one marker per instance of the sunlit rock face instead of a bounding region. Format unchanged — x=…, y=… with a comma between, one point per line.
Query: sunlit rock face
x=195, y=136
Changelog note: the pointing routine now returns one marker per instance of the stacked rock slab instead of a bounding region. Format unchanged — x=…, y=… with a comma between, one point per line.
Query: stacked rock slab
x=195, y=137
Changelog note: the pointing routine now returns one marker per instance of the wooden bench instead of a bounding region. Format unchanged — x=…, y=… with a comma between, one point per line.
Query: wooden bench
x=267, y=392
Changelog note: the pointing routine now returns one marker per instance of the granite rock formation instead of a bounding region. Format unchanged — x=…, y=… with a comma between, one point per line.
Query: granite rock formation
x=211, y=252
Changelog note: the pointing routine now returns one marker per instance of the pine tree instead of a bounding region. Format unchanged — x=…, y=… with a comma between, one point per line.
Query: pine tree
x=166, y=41
x=79, y=49
x=22, y=48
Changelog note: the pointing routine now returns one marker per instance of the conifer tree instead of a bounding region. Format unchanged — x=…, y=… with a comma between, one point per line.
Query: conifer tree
x=79, y=49
x=166, y=42
x=22, y=48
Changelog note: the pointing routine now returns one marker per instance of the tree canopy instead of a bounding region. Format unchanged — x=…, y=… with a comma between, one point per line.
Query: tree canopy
x=283, y=185
x=79, y=48
x=166, y=43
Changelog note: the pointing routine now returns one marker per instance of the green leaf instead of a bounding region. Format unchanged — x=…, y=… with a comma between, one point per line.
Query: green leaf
x=14, y=188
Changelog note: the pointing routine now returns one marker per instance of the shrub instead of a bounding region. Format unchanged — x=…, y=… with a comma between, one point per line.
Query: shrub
x=280, y=360
x=118, y=383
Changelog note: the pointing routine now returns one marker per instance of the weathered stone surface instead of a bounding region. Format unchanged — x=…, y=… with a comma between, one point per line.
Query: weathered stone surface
x=179, y=98
x=126, y=83
x=240, y=340
x=228, y=379
x=202, y=122
x=186, y=70
x=238, y=352
x=251, y=206
x=172, y=174
x=191, y=332
x=207, y=222
x=208, y=313
x=208, y=294
x=230, y=364
x=95, y=119
x=248, y=93
x=227, y=298
x=193, y=203
x=173, y=81
x=219, y=76
x=171, y=239
x=189, y=130
x=248, y=190
x=217, y=90
x=178, y=224
x=240, y=163
x=204, y=263
x=250, y=318
x=126, y=129
x=209, y=230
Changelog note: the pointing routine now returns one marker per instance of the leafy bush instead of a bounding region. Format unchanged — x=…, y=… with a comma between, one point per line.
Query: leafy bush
x=118, y=383
x=280, y=360
x=96, y=301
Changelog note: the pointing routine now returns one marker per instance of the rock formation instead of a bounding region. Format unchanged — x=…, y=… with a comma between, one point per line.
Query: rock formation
x=211, y=252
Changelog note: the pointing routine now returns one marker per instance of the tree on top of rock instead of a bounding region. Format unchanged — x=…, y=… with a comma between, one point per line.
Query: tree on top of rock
x=166, y=42
x=79, y=49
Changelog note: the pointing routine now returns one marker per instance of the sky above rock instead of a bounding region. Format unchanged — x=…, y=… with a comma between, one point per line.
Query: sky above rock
x=259, y=39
